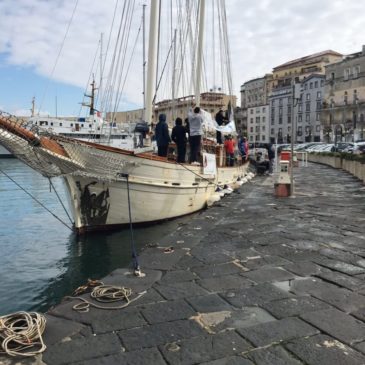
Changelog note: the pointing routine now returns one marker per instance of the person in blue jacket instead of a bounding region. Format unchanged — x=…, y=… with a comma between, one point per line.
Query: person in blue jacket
x=162, y=135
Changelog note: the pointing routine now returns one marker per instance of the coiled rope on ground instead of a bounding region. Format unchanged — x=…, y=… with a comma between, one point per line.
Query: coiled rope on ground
x=21, y=334
x=105, y=294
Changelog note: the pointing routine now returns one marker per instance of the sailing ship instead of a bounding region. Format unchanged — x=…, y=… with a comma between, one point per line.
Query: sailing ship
x=107, y=186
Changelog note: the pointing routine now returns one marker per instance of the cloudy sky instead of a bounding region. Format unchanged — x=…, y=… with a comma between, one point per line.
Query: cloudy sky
x=262, y=33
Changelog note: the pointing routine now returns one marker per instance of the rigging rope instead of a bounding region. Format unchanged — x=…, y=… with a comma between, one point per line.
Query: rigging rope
x=21, y=334
x=59, y=54
x=35, y=199
x=60, y=200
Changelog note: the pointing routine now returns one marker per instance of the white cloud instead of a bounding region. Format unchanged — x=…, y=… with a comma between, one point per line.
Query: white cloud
x=263, y=34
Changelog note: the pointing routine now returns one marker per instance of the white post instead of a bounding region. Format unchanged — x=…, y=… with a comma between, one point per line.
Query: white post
x=199, y=52
x=152, y=59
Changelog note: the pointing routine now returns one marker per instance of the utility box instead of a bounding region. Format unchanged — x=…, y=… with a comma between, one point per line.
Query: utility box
x=282, y=184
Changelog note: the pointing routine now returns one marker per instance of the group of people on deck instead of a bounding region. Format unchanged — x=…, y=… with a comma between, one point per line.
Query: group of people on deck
x=192, y=132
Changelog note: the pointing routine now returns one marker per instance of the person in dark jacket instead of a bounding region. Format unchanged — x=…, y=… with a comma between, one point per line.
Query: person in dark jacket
x=271, y=156
x=219, y=118
x=178, y=135
x=162, y=135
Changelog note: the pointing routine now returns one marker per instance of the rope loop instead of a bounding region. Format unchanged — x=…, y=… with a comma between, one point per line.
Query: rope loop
x=21, y=334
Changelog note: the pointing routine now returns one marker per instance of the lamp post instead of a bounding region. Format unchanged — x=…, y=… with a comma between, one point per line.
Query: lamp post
x=294, y=104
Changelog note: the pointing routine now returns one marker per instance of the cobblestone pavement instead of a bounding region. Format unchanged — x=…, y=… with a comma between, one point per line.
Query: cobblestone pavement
x=253, y=280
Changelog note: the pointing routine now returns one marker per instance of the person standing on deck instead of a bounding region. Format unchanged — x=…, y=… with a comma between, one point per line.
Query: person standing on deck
x=178, y=135
x=196, y=132
x=229, y=144
x=162, y=135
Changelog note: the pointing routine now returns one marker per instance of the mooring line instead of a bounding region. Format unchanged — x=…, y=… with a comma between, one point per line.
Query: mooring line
x=35, y=199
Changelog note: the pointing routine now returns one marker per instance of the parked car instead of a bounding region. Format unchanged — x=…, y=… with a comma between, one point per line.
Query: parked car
x=341, y=146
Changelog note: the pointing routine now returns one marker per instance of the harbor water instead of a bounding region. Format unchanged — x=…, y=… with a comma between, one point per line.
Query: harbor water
x=41, y=260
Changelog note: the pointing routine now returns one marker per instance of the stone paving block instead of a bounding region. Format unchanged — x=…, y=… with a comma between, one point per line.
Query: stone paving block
x=127, y=279
x=291, y=307
x=187, y=262
x=342, y=256
x=224, y=283
x=213, y=271
x=82, y=349
x=277, y=331
x=142, y=357
x=360, y=347
x=269, y=274
x=304, y=268
x=360, y=314
x=204, y=349
x=246, y=254
x=152, y=296
x=324, y=350
x=160, y=333
x=209, y=256
x=255, y=295
x=265, y=260
x=180, y=290
x=341, y=266
x=167, y=311
x=178, y=276
x=346, y=281
x=101, y=320
x=274, y=355
x=231, y=360
x=155, y=258
x=209, y=303
x=57, y=329
x=337, y=324
x=241, y=318
x=340, y=298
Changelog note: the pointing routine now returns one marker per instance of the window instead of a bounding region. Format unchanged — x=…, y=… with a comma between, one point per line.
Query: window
x=272, y=103
x=307, y=107
x=322, y=82
x=280, y=131
x=300, y=106
x=355, y=71
x=307, y=117
x=280, y=101
x=263, y=109
x=289, y=109
x=272, y=120
x=90, y=125
x=319, y=105
x=257, y=119
x=299, y=131
x=258, y=137
x=71, y=125
x=305, y=86
x=257, y=129
x=280, y=120
x=251, y=138
x=289, y=119
x=51, y=123
x=319, y=94
x=280, y=111
x=263, y=128
x=272, y=131
x=257, y=110
x=332, y=75
x=263, y=119
x=289, y=129
x=262, y=138
x=316, y=84
x=251, y=129
x=355, y=96
x=318, y=128
x=345, y=97
x=311, y=85
x=317, y=117
x=251, y=120
x=61, y=125
x=300, y=119
x=346, y=73
x=308, y=96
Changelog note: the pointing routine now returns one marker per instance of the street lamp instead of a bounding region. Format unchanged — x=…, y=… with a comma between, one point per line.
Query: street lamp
x=295, y=98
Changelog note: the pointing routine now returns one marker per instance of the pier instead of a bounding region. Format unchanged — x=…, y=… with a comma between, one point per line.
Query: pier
x=253, y=280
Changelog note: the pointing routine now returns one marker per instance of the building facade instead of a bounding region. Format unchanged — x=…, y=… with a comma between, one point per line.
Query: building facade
x=343, y=113
x=254, y=99
x=308, y=109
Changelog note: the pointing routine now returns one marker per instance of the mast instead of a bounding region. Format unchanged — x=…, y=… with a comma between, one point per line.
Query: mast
x=144, y=61
x=33, y=107
x=199, y=52
x=152, y=59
